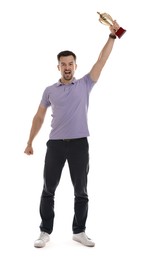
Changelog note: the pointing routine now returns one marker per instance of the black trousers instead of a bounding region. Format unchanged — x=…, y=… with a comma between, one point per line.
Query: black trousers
x=76, y=152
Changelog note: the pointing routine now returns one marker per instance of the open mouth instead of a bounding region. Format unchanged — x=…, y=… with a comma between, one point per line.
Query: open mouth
x=67, y=72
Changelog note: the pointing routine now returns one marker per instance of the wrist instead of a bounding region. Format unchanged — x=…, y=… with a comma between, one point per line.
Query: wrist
x=29, y=144
x=112, y=36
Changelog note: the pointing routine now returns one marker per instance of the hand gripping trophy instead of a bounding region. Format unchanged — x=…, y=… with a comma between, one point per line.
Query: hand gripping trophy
x=107, y=20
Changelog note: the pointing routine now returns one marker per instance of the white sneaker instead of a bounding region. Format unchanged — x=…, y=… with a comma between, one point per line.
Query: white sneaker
x=42, y=240
x=83, y=239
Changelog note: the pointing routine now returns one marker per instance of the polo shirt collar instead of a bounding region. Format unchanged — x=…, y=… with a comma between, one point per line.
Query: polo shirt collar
x=59, y=83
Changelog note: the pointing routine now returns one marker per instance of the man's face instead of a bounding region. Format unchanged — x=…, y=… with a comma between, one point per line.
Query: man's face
x=67, y=67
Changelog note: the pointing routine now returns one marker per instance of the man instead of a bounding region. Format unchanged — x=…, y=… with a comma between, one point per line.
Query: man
x=68, y=139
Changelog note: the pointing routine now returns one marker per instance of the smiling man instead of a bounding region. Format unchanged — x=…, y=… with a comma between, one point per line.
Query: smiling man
x=69, y=100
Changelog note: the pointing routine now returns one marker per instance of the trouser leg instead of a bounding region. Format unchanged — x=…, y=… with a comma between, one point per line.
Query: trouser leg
x=54, y=162
x=78, y=160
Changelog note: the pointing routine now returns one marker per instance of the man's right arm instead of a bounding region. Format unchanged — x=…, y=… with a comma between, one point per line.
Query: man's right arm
x=36, y=125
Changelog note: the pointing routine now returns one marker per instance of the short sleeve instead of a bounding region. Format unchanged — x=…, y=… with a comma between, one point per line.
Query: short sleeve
x=89, y=82
x=45, y=98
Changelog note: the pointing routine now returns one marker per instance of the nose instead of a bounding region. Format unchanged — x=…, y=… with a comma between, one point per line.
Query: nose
x=67, y=67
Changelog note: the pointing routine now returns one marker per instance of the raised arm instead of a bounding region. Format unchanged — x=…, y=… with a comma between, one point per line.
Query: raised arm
x=105, y=53
x=36, y=125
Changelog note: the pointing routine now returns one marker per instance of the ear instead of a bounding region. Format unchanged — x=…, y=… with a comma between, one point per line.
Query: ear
x=58, y=67
x=76, y=66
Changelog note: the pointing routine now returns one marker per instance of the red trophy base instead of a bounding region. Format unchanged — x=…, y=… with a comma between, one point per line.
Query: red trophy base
x=120, y=32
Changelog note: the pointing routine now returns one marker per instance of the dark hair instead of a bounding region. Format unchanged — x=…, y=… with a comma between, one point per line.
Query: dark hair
x=66, y=53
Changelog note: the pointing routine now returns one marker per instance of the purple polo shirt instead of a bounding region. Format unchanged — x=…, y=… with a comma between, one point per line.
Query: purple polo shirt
x=69, y=105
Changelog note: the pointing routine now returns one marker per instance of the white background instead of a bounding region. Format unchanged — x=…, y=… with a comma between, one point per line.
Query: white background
x=32, y=33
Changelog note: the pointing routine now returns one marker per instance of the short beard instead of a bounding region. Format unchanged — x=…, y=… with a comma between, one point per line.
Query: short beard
x=68, y=77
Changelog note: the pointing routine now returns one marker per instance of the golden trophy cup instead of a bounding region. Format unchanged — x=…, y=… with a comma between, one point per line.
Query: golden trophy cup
x=106, y=19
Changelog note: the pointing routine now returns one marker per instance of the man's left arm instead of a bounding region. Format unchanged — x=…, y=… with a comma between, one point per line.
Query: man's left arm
x=104, y=54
